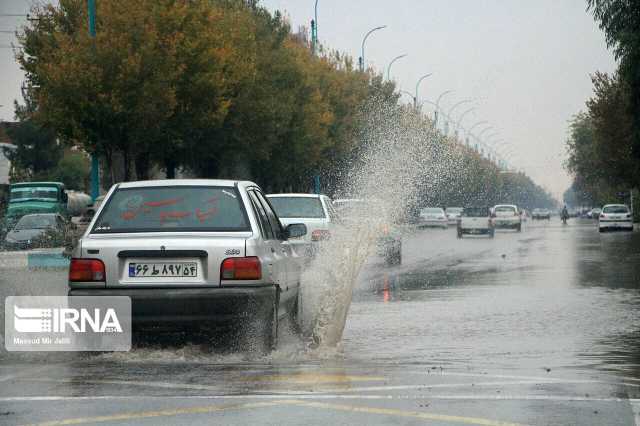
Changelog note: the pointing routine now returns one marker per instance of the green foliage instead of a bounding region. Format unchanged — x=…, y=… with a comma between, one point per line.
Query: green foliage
x=37, y=151
x=72, y=170
x=600, y=144
x=620, y=21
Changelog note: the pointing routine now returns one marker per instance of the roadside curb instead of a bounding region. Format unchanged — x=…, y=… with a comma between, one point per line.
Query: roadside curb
x=45, y=258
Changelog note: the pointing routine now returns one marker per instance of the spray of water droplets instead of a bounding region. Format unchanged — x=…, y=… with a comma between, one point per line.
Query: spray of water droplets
x=402, y=159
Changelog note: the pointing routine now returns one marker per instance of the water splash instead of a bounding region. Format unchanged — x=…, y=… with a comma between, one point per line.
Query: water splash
x=402, y=158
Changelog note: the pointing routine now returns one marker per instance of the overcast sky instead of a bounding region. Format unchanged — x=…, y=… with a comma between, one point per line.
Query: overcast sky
x=525, y=63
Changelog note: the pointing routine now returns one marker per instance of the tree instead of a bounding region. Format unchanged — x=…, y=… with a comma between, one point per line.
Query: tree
x=620, y=21
x=37, y=151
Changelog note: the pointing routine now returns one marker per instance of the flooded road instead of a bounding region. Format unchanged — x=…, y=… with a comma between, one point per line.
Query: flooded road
x=538, y=327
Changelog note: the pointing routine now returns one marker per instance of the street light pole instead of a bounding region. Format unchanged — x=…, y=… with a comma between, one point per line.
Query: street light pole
x=435, y=118
x=314, y=30
x=391, y=63
x=451, y=111
x=462, y=117
x=364, y=40
x=415, y=99
x=95, y=165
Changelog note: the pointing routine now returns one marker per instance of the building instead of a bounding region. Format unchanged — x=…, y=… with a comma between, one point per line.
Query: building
x=5, y=144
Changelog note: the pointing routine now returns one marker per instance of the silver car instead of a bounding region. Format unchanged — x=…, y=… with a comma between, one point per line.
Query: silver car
x=315, y=211
x=191, y=253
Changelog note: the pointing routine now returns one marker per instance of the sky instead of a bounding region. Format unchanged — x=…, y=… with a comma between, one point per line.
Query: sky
x=524, y=64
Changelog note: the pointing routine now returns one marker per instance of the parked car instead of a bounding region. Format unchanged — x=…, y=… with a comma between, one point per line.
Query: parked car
x=475, y=221
x=315, y=211
x=507, y=216
x=37, y=230
x=539, y=214
x=615, y=217
x=453, y=214
x=433, y=217
x=192, y=253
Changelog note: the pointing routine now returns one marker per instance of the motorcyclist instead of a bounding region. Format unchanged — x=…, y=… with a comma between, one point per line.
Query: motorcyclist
x=565, y=214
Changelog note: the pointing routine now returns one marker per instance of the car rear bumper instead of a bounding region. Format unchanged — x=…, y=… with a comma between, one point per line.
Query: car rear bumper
x=180, y=306
x=511, y=224
x=611, y=224
x=433, y=223
x=486, y=230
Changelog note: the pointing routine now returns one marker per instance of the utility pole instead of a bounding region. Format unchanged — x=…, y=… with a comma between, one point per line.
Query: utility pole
x=95, y=166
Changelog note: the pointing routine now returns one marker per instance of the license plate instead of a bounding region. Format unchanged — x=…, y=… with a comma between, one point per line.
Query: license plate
x=165, y=269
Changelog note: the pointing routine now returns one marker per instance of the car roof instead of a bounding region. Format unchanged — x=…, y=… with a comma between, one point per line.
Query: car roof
x=295, y=195
x=615, y=205
x=39, y=214
x=505, y=205
x=185, y=182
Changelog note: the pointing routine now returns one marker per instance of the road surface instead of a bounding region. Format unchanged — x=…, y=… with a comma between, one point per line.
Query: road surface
x=539, y=327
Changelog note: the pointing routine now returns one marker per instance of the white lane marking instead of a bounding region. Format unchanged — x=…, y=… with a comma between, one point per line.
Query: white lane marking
x=635, y=402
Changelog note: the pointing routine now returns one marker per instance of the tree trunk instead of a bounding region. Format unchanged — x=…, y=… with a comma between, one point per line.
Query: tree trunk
x=143, y=166
x=170, y=166
x=127, y=165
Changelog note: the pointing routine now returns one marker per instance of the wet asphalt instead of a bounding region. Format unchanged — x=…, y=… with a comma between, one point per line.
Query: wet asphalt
x=539, y=327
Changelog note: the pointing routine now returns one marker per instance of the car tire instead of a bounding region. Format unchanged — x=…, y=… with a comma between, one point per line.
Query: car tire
x=492, y=234
x=519, y=228
x=459, y=233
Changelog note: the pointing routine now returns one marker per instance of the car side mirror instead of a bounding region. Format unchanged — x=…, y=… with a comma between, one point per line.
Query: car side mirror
x=295, y=230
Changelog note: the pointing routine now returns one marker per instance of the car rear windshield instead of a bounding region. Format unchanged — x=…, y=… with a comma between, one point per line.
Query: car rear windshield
x=505, y=209
x=40, y=221
x=615, y=209
x=431, y=210
x=308, y=207
x=476, y=212
x=172, y=209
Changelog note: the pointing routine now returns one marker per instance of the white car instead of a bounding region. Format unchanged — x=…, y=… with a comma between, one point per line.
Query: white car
x=433, y=216
x=453, y=214
x=507, y=216
x=615, y=217
x=315, y=211
x=192, y=253
x=476, y=221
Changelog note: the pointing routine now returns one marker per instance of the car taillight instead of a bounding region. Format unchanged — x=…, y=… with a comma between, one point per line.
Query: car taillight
x=86, y=270
x=241, y=268
x=320, y=234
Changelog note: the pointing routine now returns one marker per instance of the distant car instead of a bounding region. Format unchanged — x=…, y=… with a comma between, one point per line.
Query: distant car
x=594, y=213
x=433, y=217
x=192, y=253
x=539, y=214
x=615, y=217
x=507, y=216
x=453, y=214
x=315, y=211
x=475, y=221
x=37, y=230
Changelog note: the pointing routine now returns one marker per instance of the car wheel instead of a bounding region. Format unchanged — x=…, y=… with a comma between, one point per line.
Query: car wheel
x=492, y=234
x=601, y=230
x=519, y=228
x=459, y=234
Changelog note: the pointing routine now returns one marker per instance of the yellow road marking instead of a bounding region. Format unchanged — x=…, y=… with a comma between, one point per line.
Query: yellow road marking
x=400, y=413
x=159, y=413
